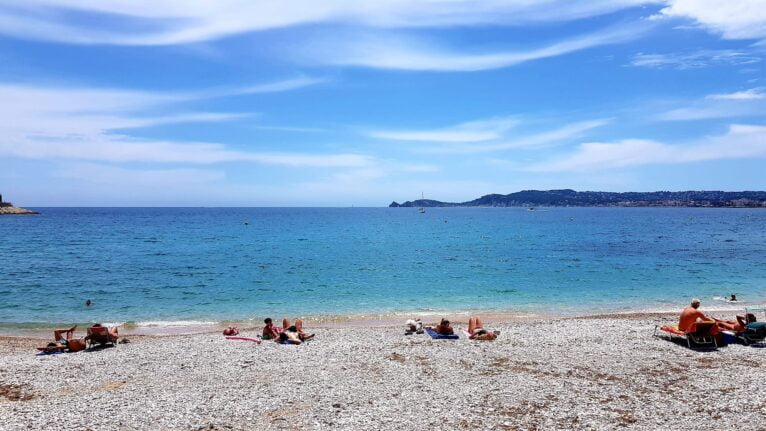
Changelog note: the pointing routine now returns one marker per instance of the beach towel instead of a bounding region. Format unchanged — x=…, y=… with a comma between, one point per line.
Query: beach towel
x=254, y=340
x=437, y=336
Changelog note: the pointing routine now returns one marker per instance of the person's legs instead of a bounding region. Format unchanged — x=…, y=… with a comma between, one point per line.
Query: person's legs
x=64, y=334
x=479, y=323
x=113, y=333
x=728, y=325
x=299, y=325
x=472, y=324
x=285, y=324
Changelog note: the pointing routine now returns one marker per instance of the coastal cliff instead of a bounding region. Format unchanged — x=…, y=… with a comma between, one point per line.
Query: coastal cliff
x=572, y=198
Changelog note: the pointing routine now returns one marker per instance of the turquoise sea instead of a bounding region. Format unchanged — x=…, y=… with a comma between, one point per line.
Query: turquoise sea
x=155, y=265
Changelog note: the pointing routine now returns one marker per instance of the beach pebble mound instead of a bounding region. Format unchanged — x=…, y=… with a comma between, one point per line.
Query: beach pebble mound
x=559, y=374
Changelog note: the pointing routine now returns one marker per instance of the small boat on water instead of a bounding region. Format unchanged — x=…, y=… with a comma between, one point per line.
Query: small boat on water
x=421, y=210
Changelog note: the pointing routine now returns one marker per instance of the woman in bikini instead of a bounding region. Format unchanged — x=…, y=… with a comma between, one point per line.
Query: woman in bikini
x=476, y=330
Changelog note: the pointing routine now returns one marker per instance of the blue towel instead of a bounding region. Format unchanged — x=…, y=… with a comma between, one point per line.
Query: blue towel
x=437, y=336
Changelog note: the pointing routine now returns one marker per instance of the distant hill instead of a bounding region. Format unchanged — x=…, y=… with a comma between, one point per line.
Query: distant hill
x=571, y=198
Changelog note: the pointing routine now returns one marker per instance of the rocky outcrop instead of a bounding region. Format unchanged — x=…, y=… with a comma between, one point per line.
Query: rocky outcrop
x=12, y=210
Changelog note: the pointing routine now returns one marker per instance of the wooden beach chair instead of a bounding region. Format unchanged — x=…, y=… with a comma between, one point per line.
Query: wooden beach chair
x=100, y=335
x=699, y=335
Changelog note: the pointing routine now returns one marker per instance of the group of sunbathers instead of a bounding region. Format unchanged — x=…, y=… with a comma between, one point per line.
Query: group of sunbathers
x=286, y=334
x=64, y=338
x=476, y=329
x=691, y=314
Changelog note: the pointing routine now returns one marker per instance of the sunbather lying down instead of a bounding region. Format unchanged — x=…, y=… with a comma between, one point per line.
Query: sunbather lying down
x=477, y=331
x=64, y=340
x=443, y=328
x=739, y=325
x=293, y=334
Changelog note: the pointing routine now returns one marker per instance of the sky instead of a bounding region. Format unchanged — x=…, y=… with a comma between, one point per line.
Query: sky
x=360, y=103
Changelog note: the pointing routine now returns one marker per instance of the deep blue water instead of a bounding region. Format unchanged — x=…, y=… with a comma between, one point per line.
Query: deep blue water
x=170, y=264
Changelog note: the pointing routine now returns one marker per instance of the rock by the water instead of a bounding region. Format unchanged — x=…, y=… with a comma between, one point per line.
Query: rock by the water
x=11, y=210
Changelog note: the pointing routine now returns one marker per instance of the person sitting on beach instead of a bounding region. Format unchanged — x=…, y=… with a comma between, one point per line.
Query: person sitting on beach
x=231, y=331
x=444, y=328
x=691, y=314
x=270, y=332
x=477, y=331
x=297, y=328
x=64, y=339
x=413, y=326
x=112, y=333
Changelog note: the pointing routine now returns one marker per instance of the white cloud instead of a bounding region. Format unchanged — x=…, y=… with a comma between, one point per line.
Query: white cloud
x=389, y=51
x=165, y=22
x=751, y=94
x=473, y=131
x=537, y=140
x=694, y=60
x=79, y=124
x=736, y=19
x=741, y=141
x=747, y=103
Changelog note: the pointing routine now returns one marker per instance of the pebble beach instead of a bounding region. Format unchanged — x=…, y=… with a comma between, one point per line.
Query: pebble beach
x=598, y=372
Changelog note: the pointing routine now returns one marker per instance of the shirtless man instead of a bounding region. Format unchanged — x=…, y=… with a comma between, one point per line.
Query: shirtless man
x=691, y=314
x=270, y=332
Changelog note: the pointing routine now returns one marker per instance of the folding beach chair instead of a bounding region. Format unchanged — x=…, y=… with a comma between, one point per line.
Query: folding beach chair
x=100, y=335
x=699, y=335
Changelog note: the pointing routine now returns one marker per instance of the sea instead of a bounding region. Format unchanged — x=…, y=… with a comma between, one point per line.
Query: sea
x=164, y=267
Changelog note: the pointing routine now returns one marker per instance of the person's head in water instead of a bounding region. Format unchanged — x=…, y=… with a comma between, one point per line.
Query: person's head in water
x=267, y=321
x=88, y=303
x=733, y=297
x=695, y=303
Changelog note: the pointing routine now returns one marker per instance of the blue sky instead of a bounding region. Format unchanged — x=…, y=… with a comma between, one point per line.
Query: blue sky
x=340, y=103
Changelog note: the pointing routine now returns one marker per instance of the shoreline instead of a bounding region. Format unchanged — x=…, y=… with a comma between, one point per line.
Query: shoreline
x=180, y=328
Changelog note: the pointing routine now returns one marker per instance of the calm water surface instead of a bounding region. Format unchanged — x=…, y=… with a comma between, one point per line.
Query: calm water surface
x=212, y=264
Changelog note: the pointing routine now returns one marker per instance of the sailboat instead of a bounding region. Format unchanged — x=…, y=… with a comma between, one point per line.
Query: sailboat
x=421, y=210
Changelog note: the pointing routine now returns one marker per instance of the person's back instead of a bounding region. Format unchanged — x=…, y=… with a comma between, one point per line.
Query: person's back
x=690, y=315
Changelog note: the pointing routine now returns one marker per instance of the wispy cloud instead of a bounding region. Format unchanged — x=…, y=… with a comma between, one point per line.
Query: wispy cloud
x=695, y=60
x=472, y=131
x=80, y=124
x=747, y=103
x=751, y=94
x=741, y=141
x=389, y=51
x=165, y=22
x=556, y=136
x=740, y=19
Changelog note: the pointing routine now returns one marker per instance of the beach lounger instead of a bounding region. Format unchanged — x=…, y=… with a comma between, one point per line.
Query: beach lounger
x=755, y=332
x=437, y=336
x=100, y=335
x=698, y=335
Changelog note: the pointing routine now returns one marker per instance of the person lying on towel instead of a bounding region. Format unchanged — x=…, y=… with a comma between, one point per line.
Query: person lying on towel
x=443, y=328
x=64, y=340
x=476, y=330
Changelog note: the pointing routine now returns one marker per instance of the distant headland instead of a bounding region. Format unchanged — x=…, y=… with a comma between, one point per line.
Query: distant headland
x=572, y=198
x=7, y=208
